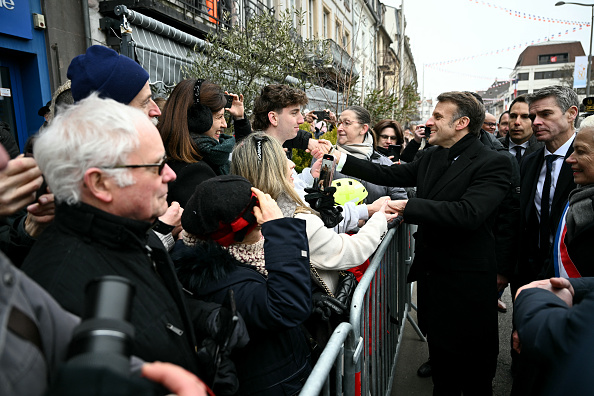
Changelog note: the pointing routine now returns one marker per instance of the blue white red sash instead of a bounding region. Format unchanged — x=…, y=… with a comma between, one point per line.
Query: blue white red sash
x=564, y=267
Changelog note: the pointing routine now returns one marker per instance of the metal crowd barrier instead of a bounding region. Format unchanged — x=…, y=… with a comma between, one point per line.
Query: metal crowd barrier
x=364, y=351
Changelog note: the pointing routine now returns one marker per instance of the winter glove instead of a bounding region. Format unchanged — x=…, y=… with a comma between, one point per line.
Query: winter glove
x=323, y=202
x=326, y=306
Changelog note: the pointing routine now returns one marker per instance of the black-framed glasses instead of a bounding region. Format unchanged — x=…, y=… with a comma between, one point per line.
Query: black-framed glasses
x=159, y=165
x=490, y=124
x=386, y=137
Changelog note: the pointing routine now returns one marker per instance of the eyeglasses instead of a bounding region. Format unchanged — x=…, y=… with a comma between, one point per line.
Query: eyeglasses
x=490, y=124
x=386, y=137
x=346, y=123
x=160, y=165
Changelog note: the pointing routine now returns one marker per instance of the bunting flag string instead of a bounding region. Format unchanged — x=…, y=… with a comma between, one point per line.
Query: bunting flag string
x=531, y=17
x=473, y=76
x=503, y=50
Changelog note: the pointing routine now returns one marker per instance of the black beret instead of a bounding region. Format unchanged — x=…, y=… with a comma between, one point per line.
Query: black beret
x=221, y=209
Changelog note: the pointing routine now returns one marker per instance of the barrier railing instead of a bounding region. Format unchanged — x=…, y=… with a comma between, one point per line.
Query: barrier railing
x=364, y=351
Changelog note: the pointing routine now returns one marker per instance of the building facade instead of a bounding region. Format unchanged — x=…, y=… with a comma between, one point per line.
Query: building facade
x=39, y=38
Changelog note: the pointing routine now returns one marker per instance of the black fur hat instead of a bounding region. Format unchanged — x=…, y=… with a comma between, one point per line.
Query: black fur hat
x=221, y=209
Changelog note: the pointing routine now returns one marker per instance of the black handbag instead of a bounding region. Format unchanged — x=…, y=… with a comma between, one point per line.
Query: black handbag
x=329, y=309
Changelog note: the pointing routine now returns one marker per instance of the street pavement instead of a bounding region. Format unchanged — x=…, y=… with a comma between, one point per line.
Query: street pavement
x=414, y=352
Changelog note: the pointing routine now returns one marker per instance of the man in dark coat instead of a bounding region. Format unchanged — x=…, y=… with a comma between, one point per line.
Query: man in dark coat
x=553, y=111
x=520, y=136
x=105, y=163
x=460, y=183
x=554, y=320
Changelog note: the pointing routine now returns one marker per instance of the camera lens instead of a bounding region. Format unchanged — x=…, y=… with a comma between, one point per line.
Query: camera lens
x=104, y=337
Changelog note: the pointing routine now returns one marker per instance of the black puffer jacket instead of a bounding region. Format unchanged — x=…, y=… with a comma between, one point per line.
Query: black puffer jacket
x=276, y=361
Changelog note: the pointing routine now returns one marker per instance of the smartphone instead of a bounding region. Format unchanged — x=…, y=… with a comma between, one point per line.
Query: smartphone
x=394, y=150
x=326, y=172
x=427, y=132
x=322, y=115
x=229, y=103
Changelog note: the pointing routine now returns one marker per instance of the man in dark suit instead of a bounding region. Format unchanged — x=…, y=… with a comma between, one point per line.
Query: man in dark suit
x=553, y=111
x=460, y=183
x=520, y=141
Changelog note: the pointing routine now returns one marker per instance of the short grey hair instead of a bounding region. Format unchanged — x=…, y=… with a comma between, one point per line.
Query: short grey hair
x=564, y=96
x=94, y=132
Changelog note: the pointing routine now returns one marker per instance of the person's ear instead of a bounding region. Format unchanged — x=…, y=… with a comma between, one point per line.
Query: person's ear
x=462, y=123
x=99, y=185
x=572, y=113
x=273, y=118
x=364, y=129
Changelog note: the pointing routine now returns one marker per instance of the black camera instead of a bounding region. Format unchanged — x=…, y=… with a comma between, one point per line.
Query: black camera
x=322, y=115
x=104, y=337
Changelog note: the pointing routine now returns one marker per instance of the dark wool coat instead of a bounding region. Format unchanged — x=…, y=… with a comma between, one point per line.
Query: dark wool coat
x=455, y=255
x=276, y=361
x=85, y=243
x=534, y=264
x=557, y=339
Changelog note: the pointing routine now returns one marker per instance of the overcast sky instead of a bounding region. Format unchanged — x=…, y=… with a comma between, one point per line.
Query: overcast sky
x=449, y=30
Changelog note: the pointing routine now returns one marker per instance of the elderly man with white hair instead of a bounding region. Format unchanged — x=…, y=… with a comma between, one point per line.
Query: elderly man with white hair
x=105, y=163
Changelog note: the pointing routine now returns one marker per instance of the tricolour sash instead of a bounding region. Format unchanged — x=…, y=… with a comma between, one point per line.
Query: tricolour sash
x=564, y=267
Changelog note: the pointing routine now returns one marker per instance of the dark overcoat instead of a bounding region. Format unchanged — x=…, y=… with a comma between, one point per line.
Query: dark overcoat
x=455, y=256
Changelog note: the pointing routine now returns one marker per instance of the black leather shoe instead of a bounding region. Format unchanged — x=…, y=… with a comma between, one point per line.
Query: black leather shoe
x=425, y=370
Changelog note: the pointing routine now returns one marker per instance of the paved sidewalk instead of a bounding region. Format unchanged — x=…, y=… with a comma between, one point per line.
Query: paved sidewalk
x=414, y=352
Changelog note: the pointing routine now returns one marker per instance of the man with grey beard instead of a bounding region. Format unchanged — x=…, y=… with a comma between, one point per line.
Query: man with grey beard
x=113, y=76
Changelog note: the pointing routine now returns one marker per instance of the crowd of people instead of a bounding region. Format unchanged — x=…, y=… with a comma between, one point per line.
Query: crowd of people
x=239, y=264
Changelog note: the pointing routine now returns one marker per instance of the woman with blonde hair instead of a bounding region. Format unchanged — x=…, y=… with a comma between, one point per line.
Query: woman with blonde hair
x=261, y=159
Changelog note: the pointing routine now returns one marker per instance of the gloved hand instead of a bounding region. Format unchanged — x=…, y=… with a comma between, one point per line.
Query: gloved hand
x=326, y=306
x=218, y=370
x=323, y=202
x=221, y=328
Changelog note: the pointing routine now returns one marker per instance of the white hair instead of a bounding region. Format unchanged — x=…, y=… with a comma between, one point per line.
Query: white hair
x=587, y=122
x=94, y=132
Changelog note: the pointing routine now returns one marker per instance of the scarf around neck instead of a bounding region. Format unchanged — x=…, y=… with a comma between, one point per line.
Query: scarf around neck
x=581, y=210
x=359, y=150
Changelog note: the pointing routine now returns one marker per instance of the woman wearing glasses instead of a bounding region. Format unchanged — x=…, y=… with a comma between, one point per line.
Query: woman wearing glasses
x=389, y=133
x=355, y=137
x=192, y=126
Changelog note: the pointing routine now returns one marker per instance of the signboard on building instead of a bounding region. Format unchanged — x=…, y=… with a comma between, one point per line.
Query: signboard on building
x=580, y=72
x=16, y=18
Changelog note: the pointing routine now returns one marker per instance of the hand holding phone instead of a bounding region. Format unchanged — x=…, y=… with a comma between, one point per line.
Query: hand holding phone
x=326, y=172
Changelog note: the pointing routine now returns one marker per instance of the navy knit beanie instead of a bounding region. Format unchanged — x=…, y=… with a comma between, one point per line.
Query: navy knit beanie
x=103, y=70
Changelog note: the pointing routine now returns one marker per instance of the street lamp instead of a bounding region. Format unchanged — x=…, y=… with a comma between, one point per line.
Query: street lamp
x=560, y=3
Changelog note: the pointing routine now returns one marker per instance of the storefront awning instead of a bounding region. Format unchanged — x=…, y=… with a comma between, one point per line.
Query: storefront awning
x=162, y=57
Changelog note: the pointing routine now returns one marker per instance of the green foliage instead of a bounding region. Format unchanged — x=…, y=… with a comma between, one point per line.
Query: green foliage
x=382, y=105
x=302, y=159
x=267, y=51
